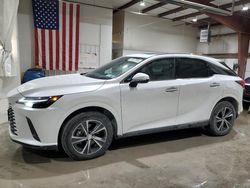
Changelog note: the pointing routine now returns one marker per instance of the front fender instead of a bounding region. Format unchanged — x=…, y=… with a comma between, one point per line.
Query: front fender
x=73, y=109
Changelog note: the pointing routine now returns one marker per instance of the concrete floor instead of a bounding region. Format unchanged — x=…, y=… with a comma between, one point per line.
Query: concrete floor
x=184, y=158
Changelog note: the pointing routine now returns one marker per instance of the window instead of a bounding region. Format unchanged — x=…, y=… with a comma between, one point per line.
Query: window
x=224, y=71
x=115, y=68
x=248, y=80
x=191, y=68
x=162, y=69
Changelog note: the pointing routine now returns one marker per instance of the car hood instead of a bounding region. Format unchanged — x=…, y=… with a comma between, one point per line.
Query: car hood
x=59, y=85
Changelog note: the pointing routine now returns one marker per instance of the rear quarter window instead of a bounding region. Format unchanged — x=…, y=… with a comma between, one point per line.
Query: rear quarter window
x=223, y=71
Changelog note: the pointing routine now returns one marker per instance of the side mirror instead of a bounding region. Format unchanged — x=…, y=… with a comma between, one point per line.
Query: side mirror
x=139, y=78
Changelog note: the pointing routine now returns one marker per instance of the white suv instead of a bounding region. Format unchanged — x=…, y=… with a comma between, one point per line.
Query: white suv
x=132, y=95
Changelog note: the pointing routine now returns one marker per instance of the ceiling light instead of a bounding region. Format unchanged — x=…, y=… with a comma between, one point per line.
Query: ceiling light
x=142, y=4
x=245, y=8
x=194, y=20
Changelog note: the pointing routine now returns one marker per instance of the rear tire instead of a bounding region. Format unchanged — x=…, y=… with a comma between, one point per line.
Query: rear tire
x=87, y=135
x=222, y=119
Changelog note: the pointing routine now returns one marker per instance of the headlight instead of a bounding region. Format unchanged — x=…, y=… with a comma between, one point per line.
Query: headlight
x=38, y=102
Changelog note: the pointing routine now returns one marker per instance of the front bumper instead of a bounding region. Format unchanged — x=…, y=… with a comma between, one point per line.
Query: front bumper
x=55, y=147
x=34, y=128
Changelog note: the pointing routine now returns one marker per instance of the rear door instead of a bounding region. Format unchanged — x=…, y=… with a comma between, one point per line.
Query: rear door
x=199, y=90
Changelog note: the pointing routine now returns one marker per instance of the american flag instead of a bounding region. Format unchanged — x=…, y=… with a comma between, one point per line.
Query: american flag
x=56, y=34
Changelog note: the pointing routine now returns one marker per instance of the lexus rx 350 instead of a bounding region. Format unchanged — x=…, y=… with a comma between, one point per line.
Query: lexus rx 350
x=132, y=95
x=246, y=95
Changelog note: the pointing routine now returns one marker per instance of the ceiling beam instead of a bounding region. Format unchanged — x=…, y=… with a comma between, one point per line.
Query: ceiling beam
x=181, y=8
x=237, y=3
x=221, y=35
x=155, y=6
x=204, y=22
x=195, y=13
x=225, y=6
x=171, y=11
x=127, y=5
x=225, y=55
x=205, y=2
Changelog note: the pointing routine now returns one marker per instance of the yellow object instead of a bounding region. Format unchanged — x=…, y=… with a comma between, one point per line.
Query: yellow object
x=39, y=67
x=54, y=98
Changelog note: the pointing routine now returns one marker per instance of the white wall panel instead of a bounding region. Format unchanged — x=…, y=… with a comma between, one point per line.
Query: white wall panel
x=145, y=33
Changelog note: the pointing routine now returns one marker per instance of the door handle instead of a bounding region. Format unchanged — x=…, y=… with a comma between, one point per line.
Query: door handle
x=171, y=89
x=214, y=84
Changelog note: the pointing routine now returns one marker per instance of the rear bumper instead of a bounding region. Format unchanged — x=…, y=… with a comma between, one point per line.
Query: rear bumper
x=246, y=98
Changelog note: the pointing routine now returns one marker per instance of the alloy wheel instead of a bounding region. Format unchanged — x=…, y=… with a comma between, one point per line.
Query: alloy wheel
x=224, y=119
x=89, y=137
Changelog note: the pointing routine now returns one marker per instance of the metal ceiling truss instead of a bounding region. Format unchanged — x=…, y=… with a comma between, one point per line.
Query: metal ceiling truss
x=202, y=6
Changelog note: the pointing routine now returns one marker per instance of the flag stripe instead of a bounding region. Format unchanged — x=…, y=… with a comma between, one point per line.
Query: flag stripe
x=36, y=47
x=60, y=36
x=67, y=38
x=73, y=37
x=77, y=37
x=43, y=48
x=54, y=49
x=63, y=36
x=39, y=47
x=57, y=49
x=47, y=49
x=50, y=50
x=70, y=35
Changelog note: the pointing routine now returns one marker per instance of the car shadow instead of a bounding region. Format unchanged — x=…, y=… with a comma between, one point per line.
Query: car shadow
x=26, y=163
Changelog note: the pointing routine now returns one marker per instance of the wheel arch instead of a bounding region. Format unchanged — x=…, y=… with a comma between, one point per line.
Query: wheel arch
x=232, y=100
x=105, y=111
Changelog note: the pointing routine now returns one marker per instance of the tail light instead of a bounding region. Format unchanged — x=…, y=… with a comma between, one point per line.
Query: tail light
x=241, y=82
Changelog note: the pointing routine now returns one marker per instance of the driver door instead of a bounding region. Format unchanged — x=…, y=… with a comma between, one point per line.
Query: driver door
x=154, y=104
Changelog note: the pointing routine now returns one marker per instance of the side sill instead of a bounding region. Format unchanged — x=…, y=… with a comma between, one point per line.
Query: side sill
x=164, y=129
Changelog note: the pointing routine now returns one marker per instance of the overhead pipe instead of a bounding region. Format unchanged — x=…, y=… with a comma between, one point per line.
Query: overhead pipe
x=199, y=6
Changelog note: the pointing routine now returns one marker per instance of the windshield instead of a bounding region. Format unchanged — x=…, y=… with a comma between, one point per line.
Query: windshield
x=115, y=68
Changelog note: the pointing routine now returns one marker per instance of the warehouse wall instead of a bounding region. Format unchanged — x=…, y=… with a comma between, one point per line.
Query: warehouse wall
x=95, y=29
x=224, y=44
x=8, y=83
x=151, y=34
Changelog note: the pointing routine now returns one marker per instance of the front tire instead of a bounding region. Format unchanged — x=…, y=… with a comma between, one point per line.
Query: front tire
x=87, y=135
x=222, y=119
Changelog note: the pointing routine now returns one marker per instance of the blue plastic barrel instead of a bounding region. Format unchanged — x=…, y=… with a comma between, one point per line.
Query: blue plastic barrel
x=32, y=74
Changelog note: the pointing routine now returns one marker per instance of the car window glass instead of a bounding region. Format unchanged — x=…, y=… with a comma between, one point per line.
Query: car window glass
x=191, y=68
x=248, y=80
x=115, y=68
x=214, y=69
x=162, y=69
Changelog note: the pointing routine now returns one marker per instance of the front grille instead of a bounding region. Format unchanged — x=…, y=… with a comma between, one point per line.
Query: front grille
x=247, y=88
x=11, y=118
